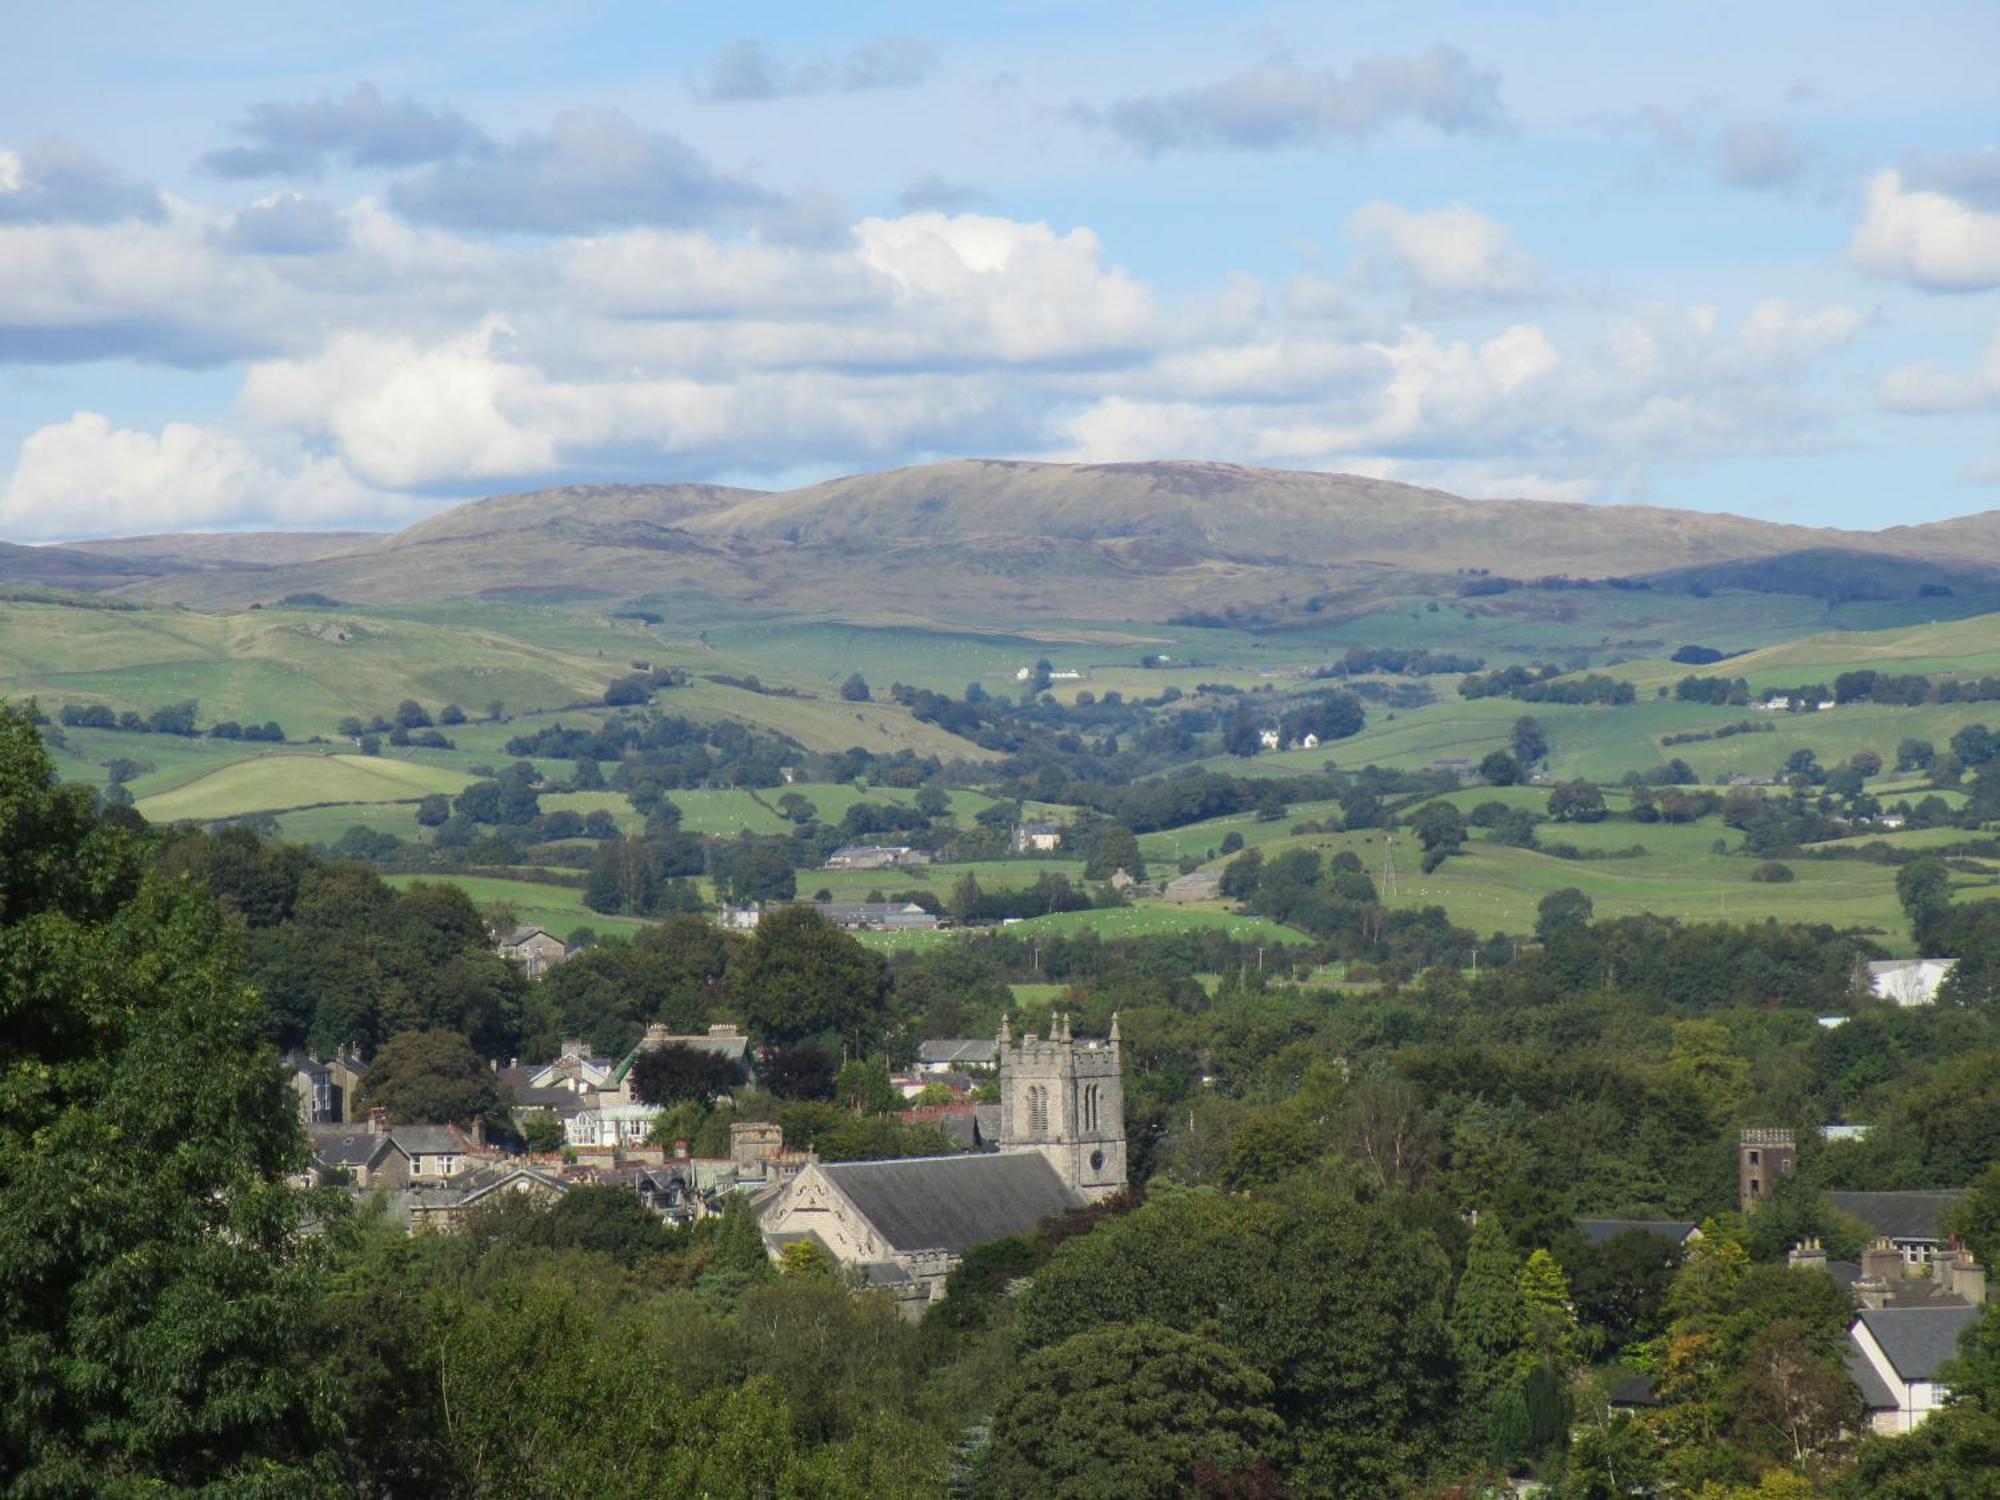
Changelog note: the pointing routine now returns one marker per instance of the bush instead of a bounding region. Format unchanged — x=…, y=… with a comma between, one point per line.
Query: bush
x=1773, y=873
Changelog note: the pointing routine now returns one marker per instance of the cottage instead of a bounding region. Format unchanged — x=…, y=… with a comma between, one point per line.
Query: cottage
x=1895, y=1355
x=428, y=1153
x=536, y=949
x=1037, y=838
x=1908, y=981
x=350, y=1155
x=1267, y=739
x=443, y=1206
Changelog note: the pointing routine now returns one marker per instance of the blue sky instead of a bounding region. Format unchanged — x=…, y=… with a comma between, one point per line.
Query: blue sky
x=342, y=269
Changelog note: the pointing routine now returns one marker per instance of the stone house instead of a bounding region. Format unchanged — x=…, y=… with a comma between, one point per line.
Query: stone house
x=443, y=1205
x=1037, y=838
x=536, y=949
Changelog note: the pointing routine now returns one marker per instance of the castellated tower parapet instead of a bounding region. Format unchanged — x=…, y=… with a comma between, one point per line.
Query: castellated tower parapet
x=1066, y=1099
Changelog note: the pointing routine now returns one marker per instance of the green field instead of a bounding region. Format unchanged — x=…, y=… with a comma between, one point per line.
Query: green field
x=284, y=779
x=558, y=908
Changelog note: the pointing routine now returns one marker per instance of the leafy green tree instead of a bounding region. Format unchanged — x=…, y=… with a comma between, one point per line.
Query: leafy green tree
x=1439, y=825
x=1113, y=848
x=434, y=810
x=754, y=871
x=1558, y=910
x=803, y=977
x=621, y=878
x=1129, y=1410
x=429, y=1077
x=807, y=1258
x=541, y=1132
x=156, y=1294
x=1548, y=1316
x=1488, y=1316
x=855, y=689
x=1923, y=887
x=1499, y=768
x=599, y=1217
x=1333, y=1296
x=1577, y=802
x=1529, y=743
x=863, y=1086
x=966, y=897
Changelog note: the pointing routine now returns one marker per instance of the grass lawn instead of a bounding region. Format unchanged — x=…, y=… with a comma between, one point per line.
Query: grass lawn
x=556, y=907
x=281, y=779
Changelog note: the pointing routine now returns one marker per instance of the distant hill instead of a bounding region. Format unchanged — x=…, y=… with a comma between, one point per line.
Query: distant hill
x=987, y=539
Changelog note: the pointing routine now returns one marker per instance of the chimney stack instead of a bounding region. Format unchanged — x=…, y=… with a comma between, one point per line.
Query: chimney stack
x=1881, y=1262
x=1807, y=1255
x=378, y=1119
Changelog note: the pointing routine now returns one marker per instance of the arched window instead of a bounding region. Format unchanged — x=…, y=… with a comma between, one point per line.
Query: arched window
x=1038, y=1111
x=1090, y=1108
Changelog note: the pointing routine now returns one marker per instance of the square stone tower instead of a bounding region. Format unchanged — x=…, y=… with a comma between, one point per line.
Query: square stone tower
x=1066, y=1099
x=1764, y=1157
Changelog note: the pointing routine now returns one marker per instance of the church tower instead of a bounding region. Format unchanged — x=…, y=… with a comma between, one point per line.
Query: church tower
x=1066, y=1099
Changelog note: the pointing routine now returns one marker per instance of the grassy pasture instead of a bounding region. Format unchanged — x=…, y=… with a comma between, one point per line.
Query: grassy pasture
x=1493, y=888
x=282, y=780
x=558, y=908
x=1952, y=646
x=305, y=668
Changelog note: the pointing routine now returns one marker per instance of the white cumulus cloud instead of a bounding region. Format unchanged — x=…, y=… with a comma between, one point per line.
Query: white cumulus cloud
x=1449, y=257
x=1926, y=238
x=85, y=477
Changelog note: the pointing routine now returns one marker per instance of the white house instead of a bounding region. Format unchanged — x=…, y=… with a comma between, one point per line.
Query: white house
x=609, y=1125
x=1908, y=981
x=1268, y=739
x=1895, y=1353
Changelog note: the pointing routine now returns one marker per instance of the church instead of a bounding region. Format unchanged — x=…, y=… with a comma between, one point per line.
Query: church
x=904, y=1224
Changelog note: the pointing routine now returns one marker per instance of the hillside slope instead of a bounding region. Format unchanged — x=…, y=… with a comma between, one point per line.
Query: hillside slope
x=990, y=539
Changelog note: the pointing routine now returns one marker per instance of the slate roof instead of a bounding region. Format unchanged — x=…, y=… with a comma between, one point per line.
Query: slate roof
x=345, y=1147
x=1899, y=1216
x=1918, y=1340
x=1597, y=1231
x=1634, y=1391
x=428, y=1140
x=988, y=1117
x=953, y=1202
x=979, y=1052
x=1875, y=1392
